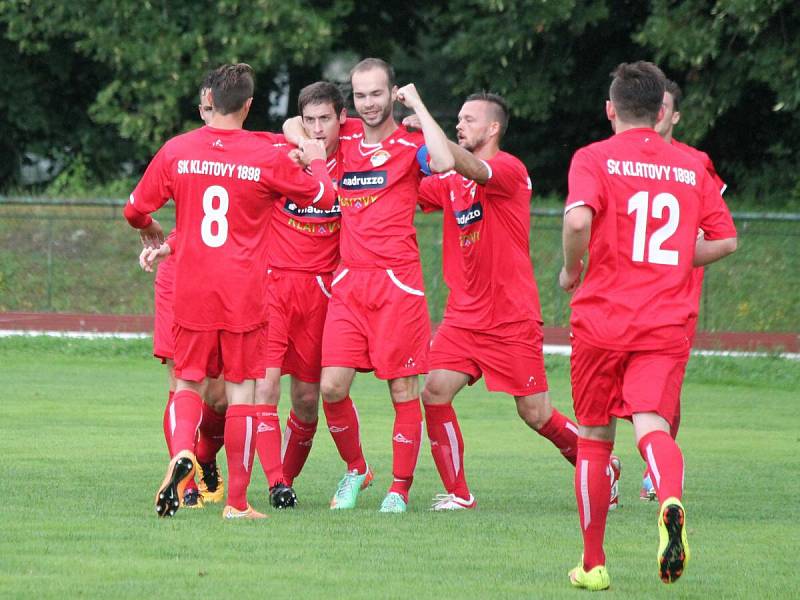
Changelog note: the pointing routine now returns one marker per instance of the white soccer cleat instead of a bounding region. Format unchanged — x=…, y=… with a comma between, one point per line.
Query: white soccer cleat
x=452, y=502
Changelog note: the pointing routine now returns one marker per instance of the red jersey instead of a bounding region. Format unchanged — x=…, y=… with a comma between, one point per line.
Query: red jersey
x=224, y=183
x=705, y=160
x=378, y=195
x=307, y=238
x=485, y=251
x=648, y=200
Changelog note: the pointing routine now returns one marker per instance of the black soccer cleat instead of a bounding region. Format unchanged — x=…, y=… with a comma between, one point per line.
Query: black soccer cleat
x=179, y=471
x=282, y=496
x=192, y=499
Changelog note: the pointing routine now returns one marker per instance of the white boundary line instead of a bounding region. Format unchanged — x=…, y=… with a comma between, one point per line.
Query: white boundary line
x=556, y=349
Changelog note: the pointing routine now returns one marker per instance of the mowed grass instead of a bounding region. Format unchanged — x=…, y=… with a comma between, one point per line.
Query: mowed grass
x=81, y=454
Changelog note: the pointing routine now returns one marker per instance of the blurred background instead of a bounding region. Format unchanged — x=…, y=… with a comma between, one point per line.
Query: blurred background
x=90, y=89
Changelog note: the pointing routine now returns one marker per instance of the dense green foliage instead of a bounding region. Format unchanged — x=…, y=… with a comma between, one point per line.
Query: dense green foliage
x=82, y=453
x=98, y=86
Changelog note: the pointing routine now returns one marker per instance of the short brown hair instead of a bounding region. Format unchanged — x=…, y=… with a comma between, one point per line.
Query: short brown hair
x=637, y=91
x=207, y=81
x=675, y=91
x=231, y=87
x=375, y=63
x=321, y=92
x=499, y=107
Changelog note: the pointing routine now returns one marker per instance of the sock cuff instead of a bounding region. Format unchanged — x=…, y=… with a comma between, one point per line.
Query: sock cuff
x=595, y=448
x=212, y=416
x=266, y=412
x=338, y=408
x=240, y=410
x=556, y=421
x=297, y=423
x=439, y=413
x=410, y=409
x=649, y=438
x=187, y=394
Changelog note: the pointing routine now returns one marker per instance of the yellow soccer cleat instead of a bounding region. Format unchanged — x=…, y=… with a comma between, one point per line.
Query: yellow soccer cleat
x=229, y=512
x=211, y=484
x=192, y=499
x=170, y=493
x=673, y=548
x=595, y=579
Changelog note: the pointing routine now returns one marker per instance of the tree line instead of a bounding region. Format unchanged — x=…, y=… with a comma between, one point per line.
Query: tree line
x=98, y=85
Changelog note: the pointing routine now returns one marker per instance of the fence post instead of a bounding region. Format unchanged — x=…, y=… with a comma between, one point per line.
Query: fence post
x=50, y=264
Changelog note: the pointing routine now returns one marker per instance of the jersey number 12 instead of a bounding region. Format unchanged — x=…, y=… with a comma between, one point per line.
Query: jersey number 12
x=638, y=204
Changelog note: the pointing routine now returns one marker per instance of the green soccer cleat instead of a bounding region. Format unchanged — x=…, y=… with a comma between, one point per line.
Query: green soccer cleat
x=393, y=503
x=349, y=487
x=673, y=548
x=594, y=580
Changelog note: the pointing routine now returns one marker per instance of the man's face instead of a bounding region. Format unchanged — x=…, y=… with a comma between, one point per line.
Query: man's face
x=670, y=119
x=474, y=124
x=372, y=97
x=205, y=107
x=322, y=123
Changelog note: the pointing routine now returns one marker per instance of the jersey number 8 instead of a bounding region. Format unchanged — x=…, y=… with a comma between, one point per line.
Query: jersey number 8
x=214, y=215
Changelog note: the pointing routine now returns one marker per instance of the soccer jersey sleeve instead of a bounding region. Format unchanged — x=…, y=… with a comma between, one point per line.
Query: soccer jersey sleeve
x=432, y=193
x=151, y=193
x=715, y=218
x=271, y=138
x=506, y=175
x=351, y=127
x=291, y=181
x=585, y=185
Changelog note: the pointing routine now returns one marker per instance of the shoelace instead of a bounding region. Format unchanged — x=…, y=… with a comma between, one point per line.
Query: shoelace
x=346, y=484
x=441, y=499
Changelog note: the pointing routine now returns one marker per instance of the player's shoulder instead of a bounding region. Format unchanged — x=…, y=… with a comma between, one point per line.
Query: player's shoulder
x=696, y=153
x=506, y=160
x=405, y=137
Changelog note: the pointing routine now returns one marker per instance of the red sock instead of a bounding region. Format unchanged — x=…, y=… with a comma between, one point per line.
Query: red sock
x=447, y=447
x=297, y=440
x=268, y=442
x=563, y=433
x=343, y=424
x=212, y=435
x=406, y=442
x=665, y=463
x=592, y=491
x=169, y=423
x=188, y=410
x=240, y=438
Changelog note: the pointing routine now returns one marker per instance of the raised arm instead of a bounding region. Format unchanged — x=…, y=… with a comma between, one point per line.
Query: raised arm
x=293, y=130
x=441, y=158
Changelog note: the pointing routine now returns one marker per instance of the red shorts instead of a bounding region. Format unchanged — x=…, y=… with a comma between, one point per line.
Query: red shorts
x=237, y=356
x=378, y=320
x=612, y=383
x=164, y=287
x=298, y=303
x=509, y=357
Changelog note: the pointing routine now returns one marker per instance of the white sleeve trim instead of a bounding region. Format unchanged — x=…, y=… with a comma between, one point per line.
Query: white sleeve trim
x=724, y=187
x=569, y=207
x=320, y=194
x=339, y=277
x=488, y=168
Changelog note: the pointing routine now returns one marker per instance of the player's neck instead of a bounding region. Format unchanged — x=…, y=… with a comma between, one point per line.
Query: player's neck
x=375, y=135
x=230, y=121
x=622, y=126
x=486, y=151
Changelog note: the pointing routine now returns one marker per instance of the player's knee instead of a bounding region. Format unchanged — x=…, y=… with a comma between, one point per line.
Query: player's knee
x=534, y=410
x=404, y=389
x=332, y=390
x=306, y=405
x=267, y=392
x=433, y=393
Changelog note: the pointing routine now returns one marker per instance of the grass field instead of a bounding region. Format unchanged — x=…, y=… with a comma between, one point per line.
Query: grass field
x=82, y=452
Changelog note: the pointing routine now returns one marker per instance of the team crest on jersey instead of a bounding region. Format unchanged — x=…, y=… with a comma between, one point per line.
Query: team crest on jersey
x=379, y=158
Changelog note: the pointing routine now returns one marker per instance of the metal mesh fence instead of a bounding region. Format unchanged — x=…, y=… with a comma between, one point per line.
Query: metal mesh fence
x=82, y=257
